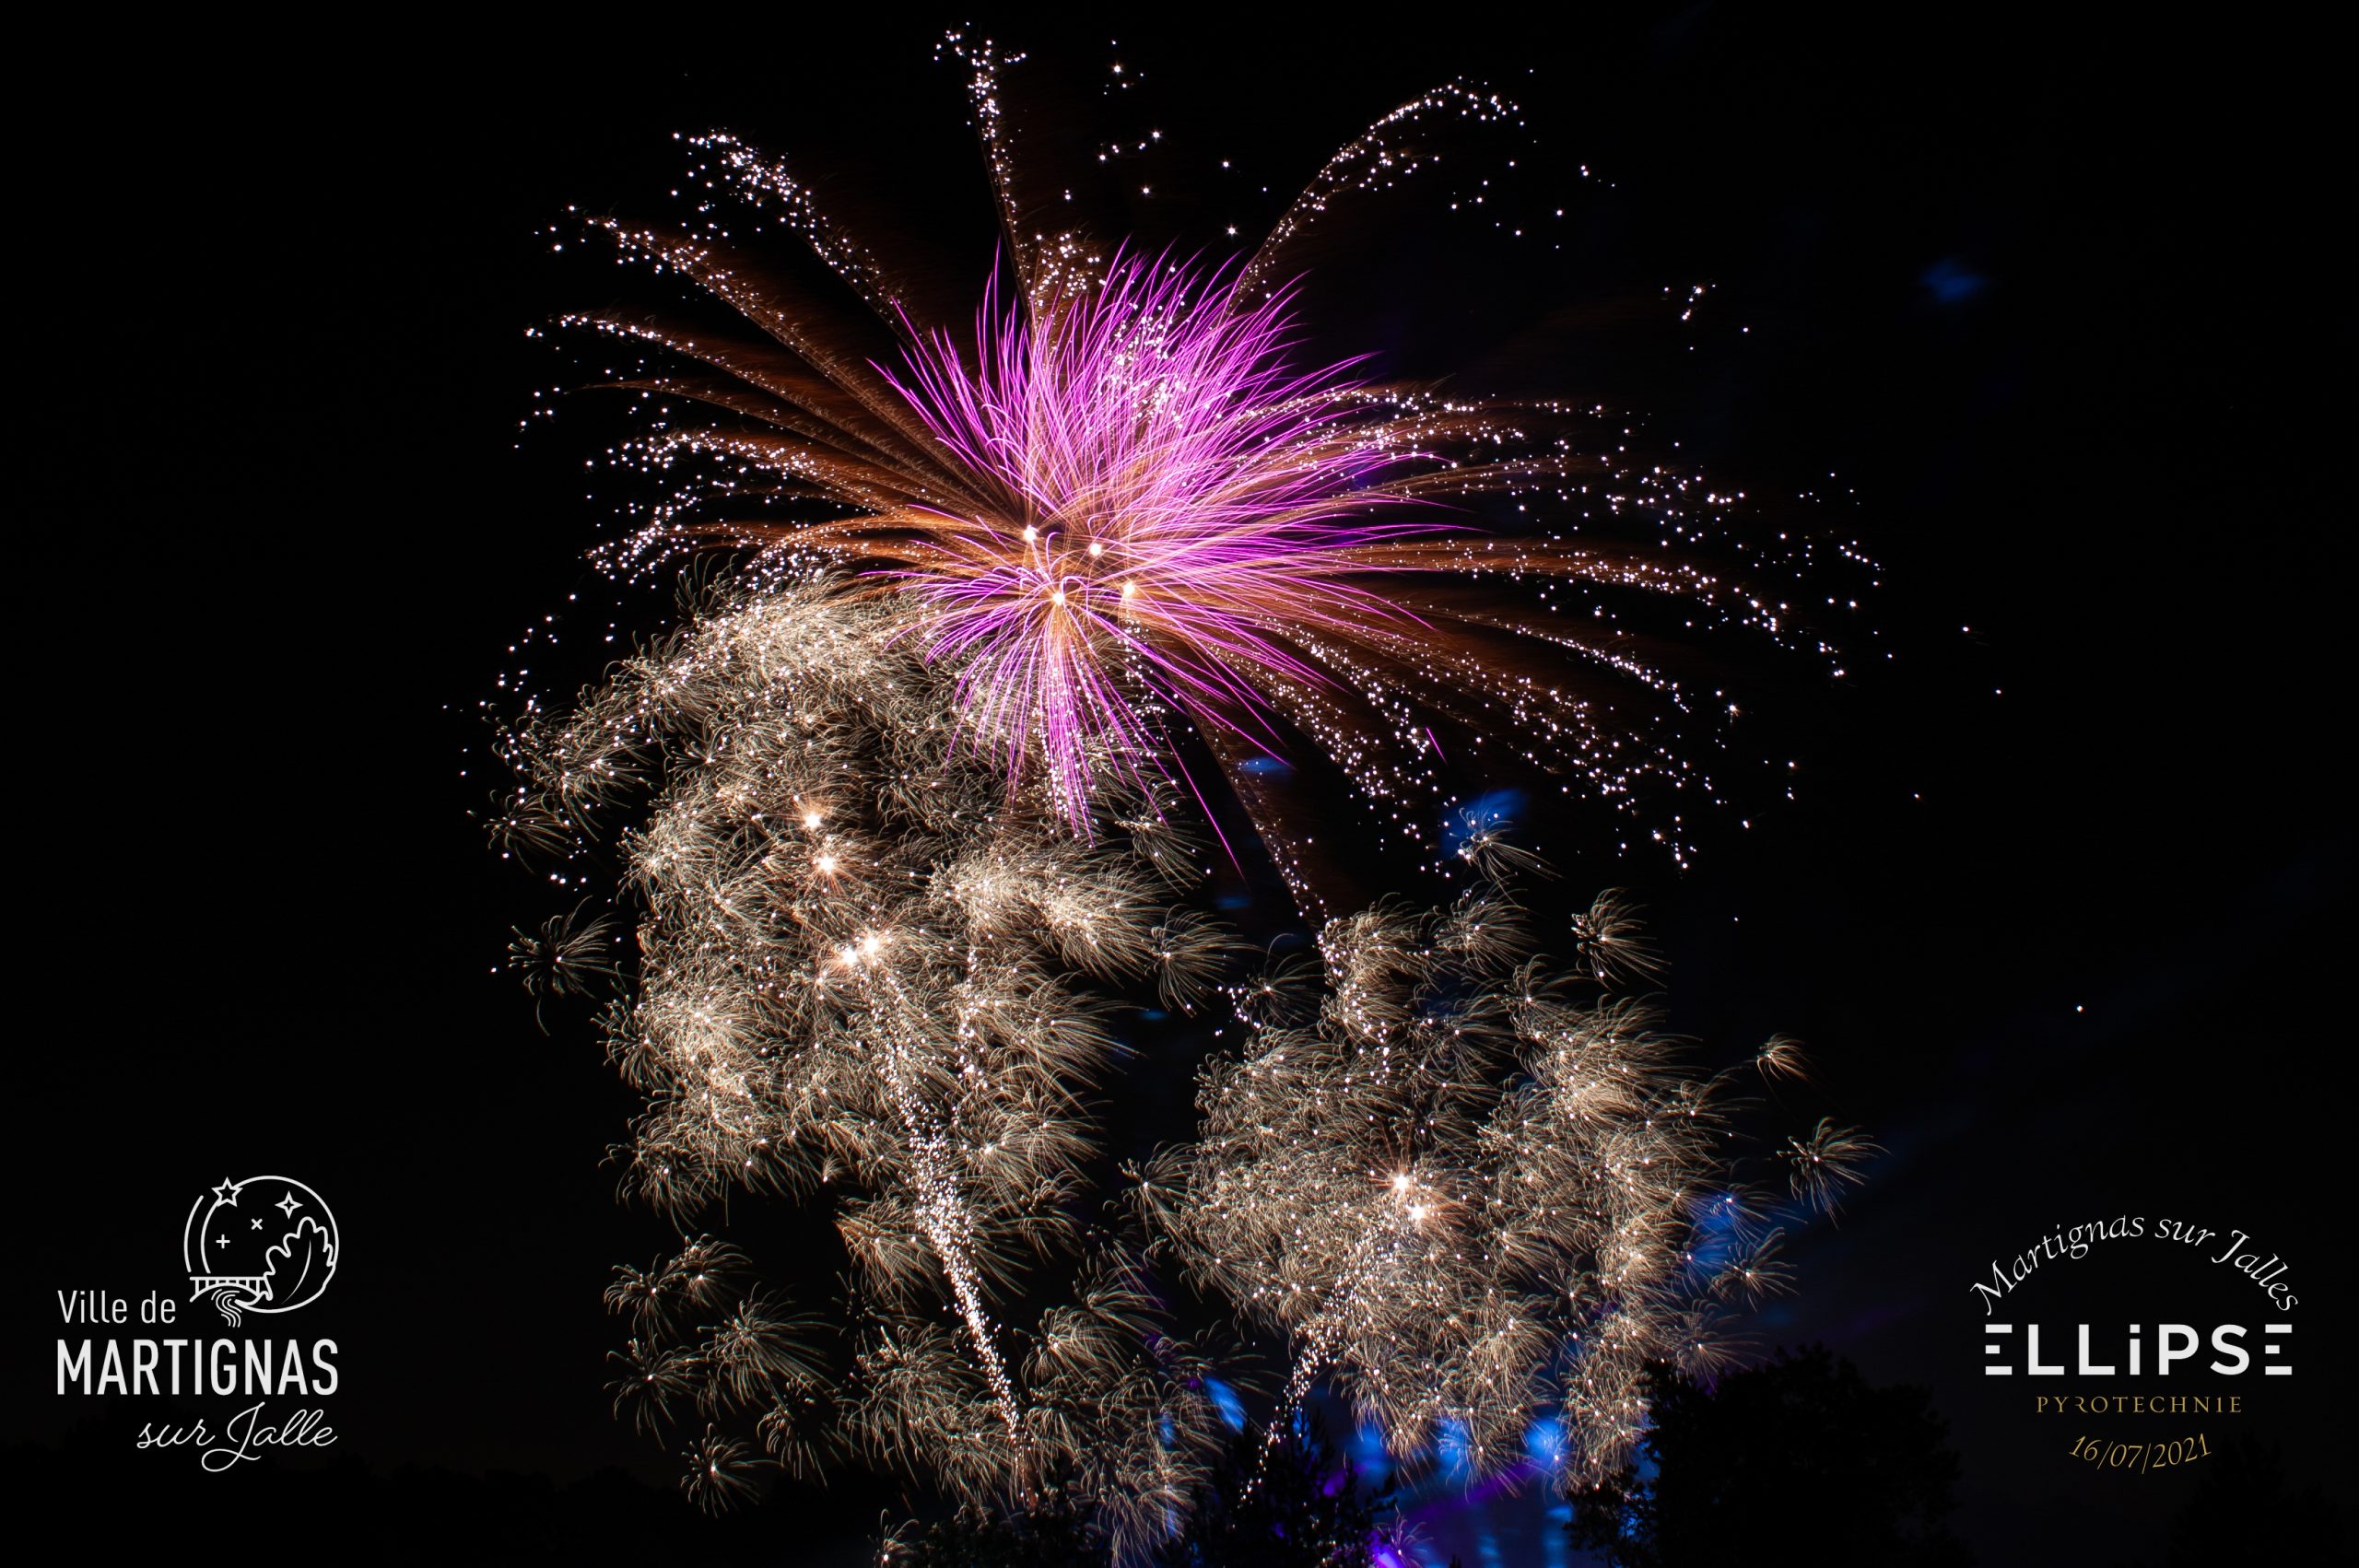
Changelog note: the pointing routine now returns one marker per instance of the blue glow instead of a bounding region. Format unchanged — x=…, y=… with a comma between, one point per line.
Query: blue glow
x=1543, y=1440
x=1365, y=1450
x=1951, y=283
x=1225, y=1400
x=1717, y=1234
x=1491, y=811
x=1457, y=1451
x=1265, y=767
x=1555, y=1550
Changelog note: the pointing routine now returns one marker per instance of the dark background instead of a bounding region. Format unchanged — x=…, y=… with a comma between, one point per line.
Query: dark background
x=2048, y=317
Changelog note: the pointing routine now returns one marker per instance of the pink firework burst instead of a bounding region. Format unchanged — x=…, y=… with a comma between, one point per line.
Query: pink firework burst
x=1130, y=500
x=1170, y=507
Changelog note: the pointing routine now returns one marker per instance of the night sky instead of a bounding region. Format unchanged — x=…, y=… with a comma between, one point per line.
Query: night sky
x=2047, y=320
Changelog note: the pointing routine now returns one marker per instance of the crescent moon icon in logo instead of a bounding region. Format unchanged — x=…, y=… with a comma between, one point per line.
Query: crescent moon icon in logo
x=265, y=1244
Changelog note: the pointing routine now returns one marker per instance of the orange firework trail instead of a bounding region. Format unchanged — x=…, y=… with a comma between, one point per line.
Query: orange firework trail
x=1126, y=501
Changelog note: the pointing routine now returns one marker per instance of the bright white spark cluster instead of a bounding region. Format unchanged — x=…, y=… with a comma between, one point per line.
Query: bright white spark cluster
x=896, y=808
x=855, y=978
x=1470, y=1191
x=1124, y=500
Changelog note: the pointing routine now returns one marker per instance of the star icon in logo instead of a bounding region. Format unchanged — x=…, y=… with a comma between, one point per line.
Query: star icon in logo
x=239, y=1268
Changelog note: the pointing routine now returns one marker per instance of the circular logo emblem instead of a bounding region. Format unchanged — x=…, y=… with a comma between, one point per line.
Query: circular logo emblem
x=266, y=1244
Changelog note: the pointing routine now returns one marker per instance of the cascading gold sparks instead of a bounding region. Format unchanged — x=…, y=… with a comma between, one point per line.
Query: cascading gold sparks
x=1471, y=1192
x=900, y=805
x=854, y=978
x=1466, y=1190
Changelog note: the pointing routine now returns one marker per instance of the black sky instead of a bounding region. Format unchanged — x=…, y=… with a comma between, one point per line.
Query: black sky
x=2055, y=320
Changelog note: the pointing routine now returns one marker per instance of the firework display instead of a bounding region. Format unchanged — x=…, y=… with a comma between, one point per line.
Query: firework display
x=903, y=810
x=1469, y=1193
x=854, y=976
x=841, y=787
x=1119, y=505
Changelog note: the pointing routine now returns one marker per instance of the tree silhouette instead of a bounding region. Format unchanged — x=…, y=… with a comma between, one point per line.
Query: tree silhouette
x=1307, y=1511
x=2244, y=1508
x=1799, y=1456
x=1049, y=1535
x=1301, y=1508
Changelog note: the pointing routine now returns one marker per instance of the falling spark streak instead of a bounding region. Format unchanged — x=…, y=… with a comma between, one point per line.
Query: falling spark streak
x=854, y=983
x=1317, y=1342
x=904, y=787
x=949, y=1227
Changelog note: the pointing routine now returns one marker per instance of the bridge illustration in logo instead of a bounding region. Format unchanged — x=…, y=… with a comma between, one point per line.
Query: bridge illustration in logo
x=252, y=1252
